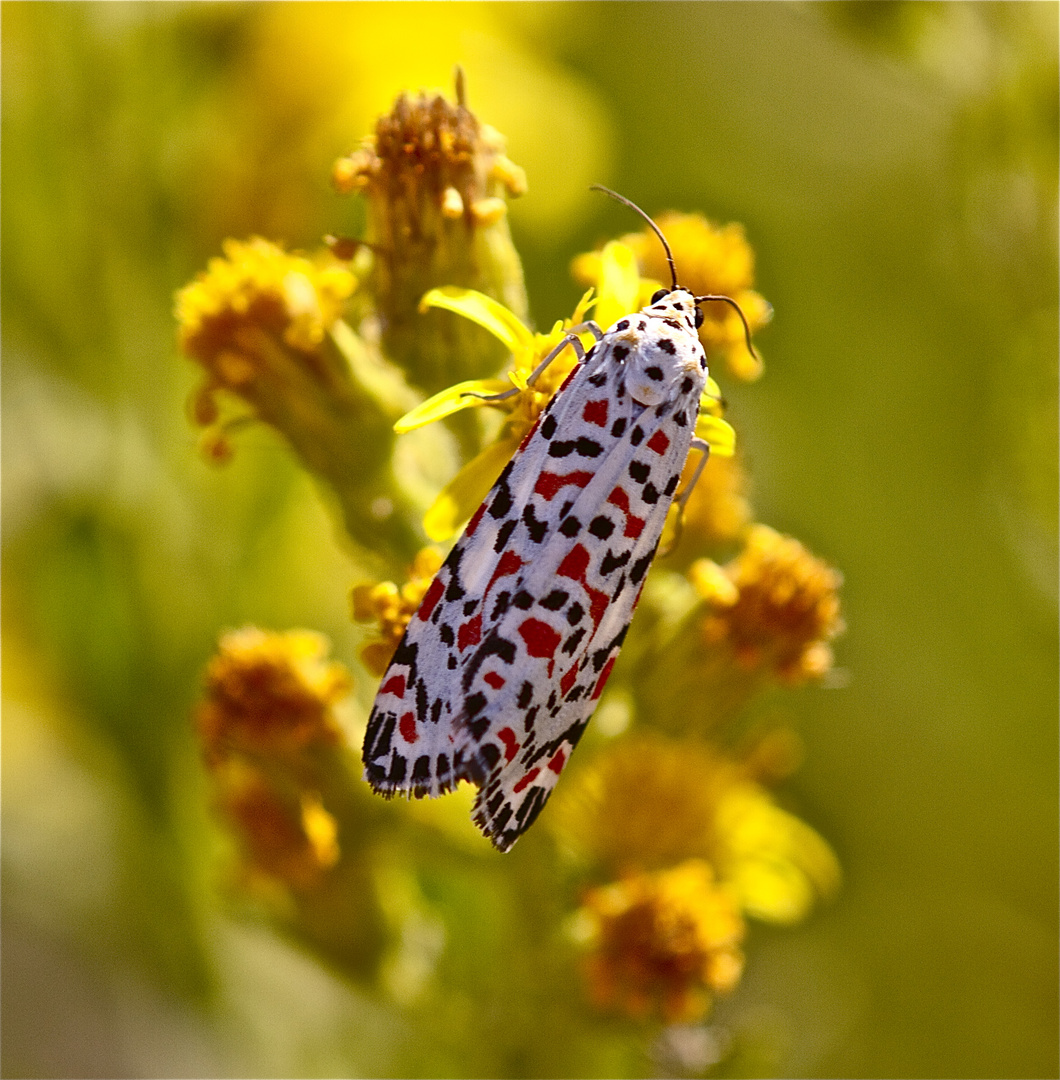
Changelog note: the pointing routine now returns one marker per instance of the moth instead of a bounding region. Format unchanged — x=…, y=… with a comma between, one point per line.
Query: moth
x=503, y=664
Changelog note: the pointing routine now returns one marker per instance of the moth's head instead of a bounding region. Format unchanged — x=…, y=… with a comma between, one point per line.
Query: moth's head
x=677, y=304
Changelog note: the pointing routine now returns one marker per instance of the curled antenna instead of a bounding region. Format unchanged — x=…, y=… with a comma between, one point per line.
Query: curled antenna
x=658, y=232
x=739, y=311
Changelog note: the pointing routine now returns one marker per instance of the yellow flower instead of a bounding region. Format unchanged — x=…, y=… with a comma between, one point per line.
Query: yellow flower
x=620, y=290
x=269, y=693
x=284, y=835
x=266, y=327
x=715, y=260
x=392, y=608
x=775, y=864
x=662, y=944
x=257, y=321
x=775, y=606
x=647, y=802
x=643, y=801
x=257, y=287
x=718, y=511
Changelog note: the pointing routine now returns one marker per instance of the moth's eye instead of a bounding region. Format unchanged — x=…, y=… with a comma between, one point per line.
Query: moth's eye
x=659, y=294
x=699, y=317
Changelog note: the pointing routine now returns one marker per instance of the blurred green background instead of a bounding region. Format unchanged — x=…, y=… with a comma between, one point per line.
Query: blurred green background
x=895, y=165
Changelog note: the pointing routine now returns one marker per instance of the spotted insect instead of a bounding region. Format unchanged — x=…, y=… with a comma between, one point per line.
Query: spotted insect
x=505, y=660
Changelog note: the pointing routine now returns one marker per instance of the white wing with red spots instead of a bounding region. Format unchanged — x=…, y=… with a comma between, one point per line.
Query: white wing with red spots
x=503, y=664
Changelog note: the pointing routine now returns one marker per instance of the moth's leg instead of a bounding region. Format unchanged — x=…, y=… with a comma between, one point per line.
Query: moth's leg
x=704, y=449
x=682, y=497
x=571, y=339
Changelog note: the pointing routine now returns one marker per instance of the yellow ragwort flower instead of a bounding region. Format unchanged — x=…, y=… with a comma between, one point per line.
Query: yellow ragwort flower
x=775, y=864
x=647, y=802
x=643, y=801
x=256, y=320
x=257, y=286
x=775, y=606
x=662, y=944
x=284, y=835
x=391, y=608
x=619, y=289
x=718, y=511
x=269, y=693
x=710, y=259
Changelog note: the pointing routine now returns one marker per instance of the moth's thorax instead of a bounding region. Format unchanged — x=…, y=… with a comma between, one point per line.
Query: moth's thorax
x=660, y=349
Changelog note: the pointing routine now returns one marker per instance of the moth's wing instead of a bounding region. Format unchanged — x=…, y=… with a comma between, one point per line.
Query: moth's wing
x=522, y=735
x=408, y=744
x=410, y=737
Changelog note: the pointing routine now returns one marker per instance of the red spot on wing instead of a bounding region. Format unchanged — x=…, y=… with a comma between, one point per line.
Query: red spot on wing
x=595, y=412
x=599, y=688
x=508, y=563
x=619, y=498
x=407, y=727
x=574, y=563
x=494, y=679
x=557, y=761
x=598, y=602
x=527, y=780
x=394, y=685
x=659, y=443
x=469, y=633
x=472, y=525
x=434, y=594
x=541, y=640
x=549, y=484
x=511, y=747
x=568, y=679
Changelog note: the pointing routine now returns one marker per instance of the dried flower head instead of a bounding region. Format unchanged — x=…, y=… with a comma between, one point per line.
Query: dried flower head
x=271, y=693
x=436, y=180
x=662, y=944
x=775, y=606
x=391, y=608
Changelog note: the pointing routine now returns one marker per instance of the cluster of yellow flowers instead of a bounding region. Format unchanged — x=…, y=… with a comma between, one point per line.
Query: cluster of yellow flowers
x=680, y=827
x=267, y=727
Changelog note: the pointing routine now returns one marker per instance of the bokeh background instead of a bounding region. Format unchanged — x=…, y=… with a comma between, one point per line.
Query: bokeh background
x=895, y=166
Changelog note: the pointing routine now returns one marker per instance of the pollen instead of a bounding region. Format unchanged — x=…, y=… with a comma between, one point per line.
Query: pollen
x=779, y=610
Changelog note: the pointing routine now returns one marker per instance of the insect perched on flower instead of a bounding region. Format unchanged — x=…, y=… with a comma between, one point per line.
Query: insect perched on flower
x=504, y=662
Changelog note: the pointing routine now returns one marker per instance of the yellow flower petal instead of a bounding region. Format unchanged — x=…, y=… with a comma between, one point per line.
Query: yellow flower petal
x=618, y=284
x=449, y=401
x=460, y=498
x=484, y=310
x=718, y=433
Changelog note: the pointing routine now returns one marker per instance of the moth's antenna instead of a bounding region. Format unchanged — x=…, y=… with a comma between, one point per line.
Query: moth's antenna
x=739, y=311
x=658, y=232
